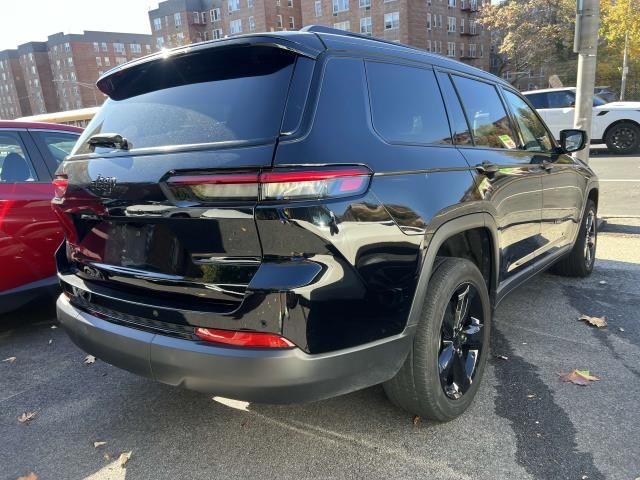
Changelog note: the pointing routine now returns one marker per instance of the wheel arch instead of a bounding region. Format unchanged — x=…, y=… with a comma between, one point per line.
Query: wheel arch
x=472, y=222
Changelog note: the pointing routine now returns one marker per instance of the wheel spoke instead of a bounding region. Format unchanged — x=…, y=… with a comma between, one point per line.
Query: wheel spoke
x=445, y=360
x=470, y=365
x=474, y=334
x=462, y=307
x=459, y=373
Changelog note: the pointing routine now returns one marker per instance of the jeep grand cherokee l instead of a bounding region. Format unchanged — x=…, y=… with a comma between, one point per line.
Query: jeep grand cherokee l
x=291, y=216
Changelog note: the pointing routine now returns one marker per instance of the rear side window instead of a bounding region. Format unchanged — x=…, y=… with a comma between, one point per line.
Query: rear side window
x=490, y=124
x=15, y=166
x=561, y=99
x=538, y=100
x=406, y=104
x=461, y=135
x=57, y=145
x=216, y=95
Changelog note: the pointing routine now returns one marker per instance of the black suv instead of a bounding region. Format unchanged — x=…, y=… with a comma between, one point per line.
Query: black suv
x=291, y=216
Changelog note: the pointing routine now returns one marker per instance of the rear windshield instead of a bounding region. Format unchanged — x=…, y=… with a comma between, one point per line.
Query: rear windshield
x=217, y=95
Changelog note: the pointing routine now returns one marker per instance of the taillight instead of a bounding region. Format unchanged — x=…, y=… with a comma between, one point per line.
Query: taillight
x=243, y=339
x=60, y=184
x=289, y=185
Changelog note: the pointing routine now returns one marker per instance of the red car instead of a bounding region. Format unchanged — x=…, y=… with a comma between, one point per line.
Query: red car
x=29, y=231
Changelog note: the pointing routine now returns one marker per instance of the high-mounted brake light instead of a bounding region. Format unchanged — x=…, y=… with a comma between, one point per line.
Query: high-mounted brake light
x=60, y=184
x=273, y=185
x=243, y=339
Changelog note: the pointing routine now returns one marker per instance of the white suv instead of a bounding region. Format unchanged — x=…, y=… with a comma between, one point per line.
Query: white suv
x=617, y=123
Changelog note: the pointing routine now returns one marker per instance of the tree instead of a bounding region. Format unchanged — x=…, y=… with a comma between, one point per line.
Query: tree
x=618, y=18
x=530, y=34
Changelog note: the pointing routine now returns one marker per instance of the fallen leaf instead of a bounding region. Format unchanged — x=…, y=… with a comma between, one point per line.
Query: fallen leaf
x=579, y=377
x=502, y=357
x=10, y=359
x=621, y=329
x=50, y=341
x=124, y=458
x=27, y=417
x=98, y=444
x=53, y=327
x=603, y=282
x=531, y=396
x=89, y=359
x=599, y=322
x=106, y=456
x=31, y=476
x=417, y=420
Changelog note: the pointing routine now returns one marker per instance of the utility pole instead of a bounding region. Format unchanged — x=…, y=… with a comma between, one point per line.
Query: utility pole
x=586, y=46
x=625, y=66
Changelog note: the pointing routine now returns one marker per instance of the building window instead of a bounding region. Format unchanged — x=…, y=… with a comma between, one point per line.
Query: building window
x=472, y=27
x=148, y=47
x=462, y=25
x=234, y=5
x=121, y=60
x=462, y=50
x=428, y=45
x=33, y=69
x=99, y=61
x=452, y=3
x=70, y=61
x=482, y=50
x=157, y=24
x=318, y=8
x=451, y=49
x=104, y=46
x=391, y=21
x=249, y=3
x=290, y=3
x=177, y=19
x=451, y=24
x=462, y=2
x=118, y=47
x=135, y=48
x=365, y=26
x=439, y=21
x=277, y=3
x=96, y=47
x=235, y=26
x=160, y=42
x=292, y=23
x=365, y=4
x=203, y=18
x=278, y=21
x=428, y=21
x=387, y=1
x=472, y=50
x=67, y=47
x=180, y=35
x=217, y=33
x=214, y=14
x=252, y=24
x=346, y=26
x=107, y=62
x=340, y=6
x=72, y=76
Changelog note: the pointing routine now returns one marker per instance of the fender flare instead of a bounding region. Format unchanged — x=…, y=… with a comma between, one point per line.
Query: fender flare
x=446, y=230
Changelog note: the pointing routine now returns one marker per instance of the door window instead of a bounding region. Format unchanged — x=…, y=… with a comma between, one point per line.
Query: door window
x=15, y=166
x=538, y=100
x=534, y=135
x=561, y=99
x=490, y=124
x=461, y=135
x=406, y=104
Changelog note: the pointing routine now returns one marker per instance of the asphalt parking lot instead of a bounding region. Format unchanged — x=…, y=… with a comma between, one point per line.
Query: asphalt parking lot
x=525, y=422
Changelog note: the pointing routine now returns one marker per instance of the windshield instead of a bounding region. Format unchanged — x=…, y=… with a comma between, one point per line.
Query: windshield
x=217, y=95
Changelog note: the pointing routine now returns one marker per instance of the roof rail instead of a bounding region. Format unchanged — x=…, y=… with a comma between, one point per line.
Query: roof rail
x=344, y=33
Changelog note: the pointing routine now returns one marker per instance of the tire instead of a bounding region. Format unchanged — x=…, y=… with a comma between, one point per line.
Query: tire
x=417, y=387
x=623, y=138
x=579, y=262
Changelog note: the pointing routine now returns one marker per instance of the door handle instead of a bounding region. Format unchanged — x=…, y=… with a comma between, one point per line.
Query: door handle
x=487, y=168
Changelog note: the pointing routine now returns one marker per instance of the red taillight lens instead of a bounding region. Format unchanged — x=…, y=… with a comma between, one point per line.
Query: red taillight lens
x=273, y=185
x=243, y=339
x=60, y=184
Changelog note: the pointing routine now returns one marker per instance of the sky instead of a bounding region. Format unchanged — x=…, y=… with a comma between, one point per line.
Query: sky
x=33, y=20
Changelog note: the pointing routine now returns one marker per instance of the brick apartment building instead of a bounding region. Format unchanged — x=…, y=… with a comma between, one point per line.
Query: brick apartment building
x=77, y=60
x=447, y=27
x=13, y=94
x=60, y=74
x=34, y=62
x=180, y=22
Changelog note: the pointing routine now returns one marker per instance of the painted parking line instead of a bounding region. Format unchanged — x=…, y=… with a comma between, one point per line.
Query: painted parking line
x=619, y=179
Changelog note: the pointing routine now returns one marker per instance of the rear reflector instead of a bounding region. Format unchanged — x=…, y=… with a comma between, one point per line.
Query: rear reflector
x=243, y=339
x=273, y=185
x=60, y=186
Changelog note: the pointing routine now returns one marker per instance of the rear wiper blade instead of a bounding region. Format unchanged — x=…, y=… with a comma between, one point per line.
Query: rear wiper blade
x=113, y=140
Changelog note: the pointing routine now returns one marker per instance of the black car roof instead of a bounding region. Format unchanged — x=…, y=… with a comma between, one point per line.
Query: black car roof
x=311, y=41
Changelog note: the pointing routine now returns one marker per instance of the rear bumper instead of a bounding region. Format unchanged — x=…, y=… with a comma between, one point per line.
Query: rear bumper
x=256, y=375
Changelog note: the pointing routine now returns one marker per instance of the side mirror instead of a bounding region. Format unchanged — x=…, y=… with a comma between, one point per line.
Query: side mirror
x=572, y=140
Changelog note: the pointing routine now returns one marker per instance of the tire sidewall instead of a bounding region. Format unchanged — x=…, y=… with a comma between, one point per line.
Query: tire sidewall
x=609, y=139
x=442, y=286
